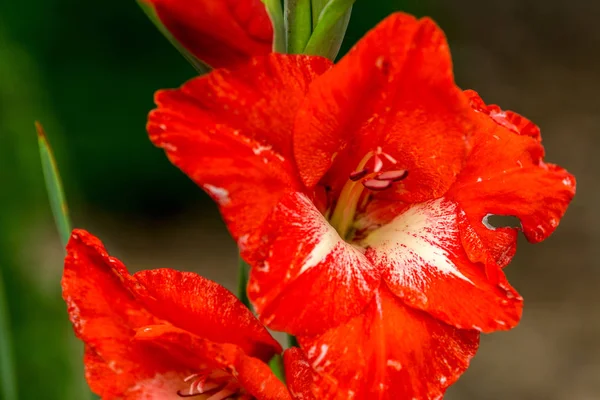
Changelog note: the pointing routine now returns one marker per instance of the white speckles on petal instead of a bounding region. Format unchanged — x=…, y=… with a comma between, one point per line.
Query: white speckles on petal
x=159, y=387
x=169, y=147
x=113, y=367
x=263, y=267
x=220, y=195
x=326, y=242
x=414, y=244
x=323, y=352
x=394, y=364
x=258, y=149
x=242, y=242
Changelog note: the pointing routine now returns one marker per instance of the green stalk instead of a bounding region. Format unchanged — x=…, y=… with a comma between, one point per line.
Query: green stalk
x=54, y=187
x=276, y=365
x=243, y=283
x=276, y=13
x=292, y=341
x=298, y=25
x=9, y=386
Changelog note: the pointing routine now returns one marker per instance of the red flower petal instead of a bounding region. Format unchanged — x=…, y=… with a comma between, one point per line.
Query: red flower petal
x=231, y=133
x=222, y=33
x=423, y=261
x=205, y=308
x=153, y=374
x=508, y=119
x=104, y=315
x=394, y=90
x=252, y=374
x=302, y=380
x=391, y=351
x=107, y=306
x=505, y=175
x=309, y=279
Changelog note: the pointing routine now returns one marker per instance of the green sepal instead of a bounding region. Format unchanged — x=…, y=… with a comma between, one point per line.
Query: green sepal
x=317, y=8
x=58, y=203
x=330, y=29
x=276, y=14
x=198, y=65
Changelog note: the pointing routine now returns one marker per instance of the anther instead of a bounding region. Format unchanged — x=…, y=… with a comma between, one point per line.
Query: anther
x=187, y=395
x=374, y=184
x=356, y=175
x=393, y=176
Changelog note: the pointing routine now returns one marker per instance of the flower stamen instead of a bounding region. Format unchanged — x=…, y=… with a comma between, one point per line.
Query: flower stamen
x=393, y=176
x=358, y=175
x=377, y=185
x=363, y=178
x=211, y=385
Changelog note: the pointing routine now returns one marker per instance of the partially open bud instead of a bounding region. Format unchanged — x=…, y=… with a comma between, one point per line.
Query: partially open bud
x=219, y=33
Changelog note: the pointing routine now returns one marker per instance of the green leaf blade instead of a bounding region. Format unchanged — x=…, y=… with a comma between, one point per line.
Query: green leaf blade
x=56, y=195
x=8, y=389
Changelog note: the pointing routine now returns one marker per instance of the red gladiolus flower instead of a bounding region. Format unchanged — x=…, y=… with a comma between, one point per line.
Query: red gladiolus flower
x=163, y=334
x=222, y=33
x=359, y=193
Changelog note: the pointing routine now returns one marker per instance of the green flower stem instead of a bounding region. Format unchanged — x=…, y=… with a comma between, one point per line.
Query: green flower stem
x=276, y=13
x=196, y=63
x=292, y=341
x=298, y=25
x=276, y=365
x=329, y=32
x=54, y=187
x=243, y=283
x=8, y=389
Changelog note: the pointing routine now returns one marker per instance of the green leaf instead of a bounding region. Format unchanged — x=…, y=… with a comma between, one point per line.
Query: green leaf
x=276, y=14
x=54, y=187
x=298, y=24
x=151, y=13
x=8, y=389
x=329, y=32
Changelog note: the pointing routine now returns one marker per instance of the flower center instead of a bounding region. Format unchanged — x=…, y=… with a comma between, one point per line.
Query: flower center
x=369, y=175
x=211, y=385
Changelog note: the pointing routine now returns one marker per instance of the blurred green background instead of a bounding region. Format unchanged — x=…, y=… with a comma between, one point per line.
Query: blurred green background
x=88, y=71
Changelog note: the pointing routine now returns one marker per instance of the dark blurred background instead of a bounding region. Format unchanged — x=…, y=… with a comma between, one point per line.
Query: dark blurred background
x=88, y=71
